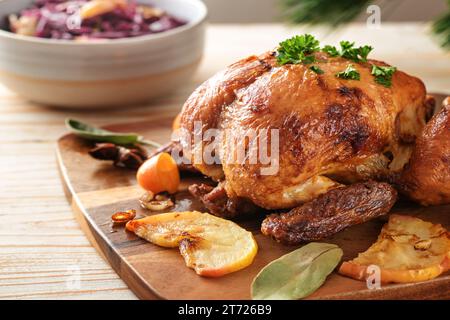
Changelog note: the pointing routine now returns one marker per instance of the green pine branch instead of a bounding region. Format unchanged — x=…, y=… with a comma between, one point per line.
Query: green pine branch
x=338, y=12
x=441, y=28
x=331, y=12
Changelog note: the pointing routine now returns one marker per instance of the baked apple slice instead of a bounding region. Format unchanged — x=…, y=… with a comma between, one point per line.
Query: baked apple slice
x=210, y=245
x=408, y=249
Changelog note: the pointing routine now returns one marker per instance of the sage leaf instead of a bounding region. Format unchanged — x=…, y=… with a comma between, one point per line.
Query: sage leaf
x=297, y=274
x=89, y=132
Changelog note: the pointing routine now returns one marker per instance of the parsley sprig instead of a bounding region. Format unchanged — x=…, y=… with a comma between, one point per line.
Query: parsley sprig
x=316, y=69
x=383, y=75
x=348, y=51
x=350, y=73
x=298, y=49
x=331, y=50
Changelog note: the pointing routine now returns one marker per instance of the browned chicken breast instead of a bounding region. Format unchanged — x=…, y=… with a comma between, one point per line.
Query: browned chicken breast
x=332, y=131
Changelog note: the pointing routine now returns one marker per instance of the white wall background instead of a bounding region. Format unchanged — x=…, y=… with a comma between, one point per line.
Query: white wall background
x=250, y=11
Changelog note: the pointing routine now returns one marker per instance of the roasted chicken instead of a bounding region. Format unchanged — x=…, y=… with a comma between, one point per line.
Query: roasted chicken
x=332, y=132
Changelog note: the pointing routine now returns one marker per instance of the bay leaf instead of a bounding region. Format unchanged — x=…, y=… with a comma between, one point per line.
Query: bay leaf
x=297, y=274
x=89, y=132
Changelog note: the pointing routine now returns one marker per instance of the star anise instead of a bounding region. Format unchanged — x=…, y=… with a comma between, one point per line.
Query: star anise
x=126, y=157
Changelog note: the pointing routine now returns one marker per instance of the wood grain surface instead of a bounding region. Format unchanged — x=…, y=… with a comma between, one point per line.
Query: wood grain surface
x=40, y=241
x=96, y=190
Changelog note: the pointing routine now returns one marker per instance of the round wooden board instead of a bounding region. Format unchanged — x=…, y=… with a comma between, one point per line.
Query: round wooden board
x=96, y=190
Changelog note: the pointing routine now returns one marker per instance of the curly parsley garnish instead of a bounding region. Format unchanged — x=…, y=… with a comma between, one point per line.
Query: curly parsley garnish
x=348, y=51
x=383, y=75
x=298, y=49
x=364, y=52
x=350, y=73
x=316, y=69
x=301, y=49
x=331, y=50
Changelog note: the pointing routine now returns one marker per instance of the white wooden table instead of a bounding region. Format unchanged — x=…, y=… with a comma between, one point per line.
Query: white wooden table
x=41, y=245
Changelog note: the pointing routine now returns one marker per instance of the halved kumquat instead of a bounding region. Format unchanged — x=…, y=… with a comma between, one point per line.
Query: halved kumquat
x=159, y=173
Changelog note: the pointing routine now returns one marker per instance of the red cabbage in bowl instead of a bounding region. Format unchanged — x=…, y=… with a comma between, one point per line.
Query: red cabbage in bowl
x=95, y=19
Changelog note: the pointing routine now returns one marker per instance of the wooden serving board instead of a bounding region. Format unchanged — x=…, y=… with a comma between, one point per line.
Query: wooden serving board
x=96, y=190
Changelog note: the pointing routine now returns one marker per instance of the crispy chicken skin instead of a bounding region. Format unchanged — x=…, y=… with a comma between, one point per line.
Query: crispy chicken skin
x=331, y=212
x=331, y=130
x=426, y=179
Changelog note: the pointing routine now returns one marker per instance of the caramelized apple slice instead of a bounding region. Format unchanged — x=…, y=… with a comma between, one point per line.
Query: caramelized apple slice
x=408, y=249
x=98, y=7
x=210, y=245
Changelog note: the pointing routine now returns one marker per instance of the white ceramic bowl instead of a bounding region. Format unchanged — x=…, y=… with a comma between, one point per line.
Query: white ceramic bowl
x=104, y=73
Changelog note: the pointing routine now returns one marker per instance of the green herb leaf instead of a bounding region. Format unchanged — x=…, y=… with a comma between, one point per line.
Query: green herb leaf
x=383, y=75
x=296, y=274
x=350, y=73
x=331, y=50
x=89, y=132
x=364, y=52
x=355, y=54
x=348, y=51
x=316, y=69
x=298, y=49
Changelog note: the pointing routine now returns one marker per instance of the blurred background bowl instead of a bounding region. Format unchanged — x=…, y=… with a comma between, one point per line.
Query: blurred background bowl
x=103, y=73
